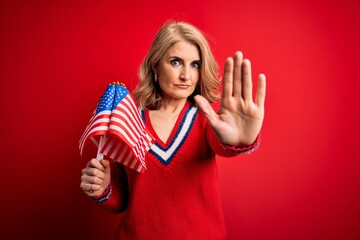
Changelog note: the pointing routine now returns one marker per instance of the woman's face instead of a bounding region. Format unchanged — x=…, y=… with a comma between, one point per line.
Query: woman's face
x=179, y=71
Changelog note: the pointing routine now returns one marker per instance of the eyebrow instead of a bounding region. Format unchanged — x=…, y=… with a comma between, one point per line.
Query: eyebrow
x=176, y=57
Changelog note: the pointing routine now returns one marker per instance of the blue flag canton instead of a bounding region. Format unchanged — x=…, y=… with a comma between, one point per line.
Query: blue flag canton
x=120, y=93
x=111, y=98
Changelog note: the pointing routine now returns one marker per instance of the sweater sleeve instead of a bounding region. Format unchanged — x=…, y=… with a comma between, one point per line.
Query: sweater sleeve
x=227, y=150
x=115, y=198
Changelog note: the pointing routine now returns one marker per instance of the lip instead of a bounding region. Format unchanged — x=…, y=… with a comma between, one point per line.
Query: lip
x=183, y=86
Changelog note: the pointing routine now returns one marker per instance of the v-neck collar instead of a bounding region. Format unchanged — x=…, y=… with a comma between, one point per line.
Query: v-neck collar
x=165, y=152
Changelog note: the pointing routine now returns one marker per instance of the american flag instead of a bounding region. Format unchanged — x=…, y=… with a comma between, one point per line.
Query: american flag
x=117, y=129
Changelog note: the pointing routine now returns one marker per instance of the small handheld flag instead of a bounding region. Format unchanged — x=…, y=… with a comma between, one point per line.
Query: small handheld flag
x=116, y=128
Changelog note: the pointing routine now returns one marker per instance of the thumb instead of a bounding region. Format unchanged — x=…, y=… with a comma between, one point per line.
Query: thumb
x=206, y=108
x=105, y=163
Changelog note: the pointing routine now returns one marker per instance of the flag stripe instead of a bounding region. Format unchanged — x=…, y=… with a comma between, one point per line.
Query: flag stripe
x=135, y=111
x=122, y=114
x=100, y=117
x=118, y=123
x=103, y=116
x=97, y=125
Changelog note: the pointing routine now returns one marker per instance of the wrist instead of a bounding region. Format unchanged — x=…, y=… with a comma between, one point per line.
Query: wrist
x=242, y=148
x=103, y=196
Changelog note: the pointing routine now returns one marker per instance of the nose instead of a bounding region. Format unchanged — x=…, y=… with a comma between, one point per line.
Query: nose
x=185, y=74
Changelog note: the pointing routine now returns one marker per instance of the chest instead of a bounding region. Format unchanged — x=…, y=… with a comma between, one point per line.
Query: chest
x=163, y=124
x=186, y=143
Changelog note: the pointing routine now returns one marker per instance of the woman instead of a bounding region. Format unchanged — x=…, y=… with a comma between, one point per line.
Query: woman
x=178, y=196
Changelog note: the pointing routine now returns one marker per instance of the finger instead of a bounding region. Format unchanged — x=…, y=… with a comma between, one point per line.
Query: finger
x=247, y=81
x=105, y=163
x=238, y=58
x=90, y=171
x=94, y=163
x=87, y=187
x=261, y=91
x=228, y=78
x=91, y=179
x=206, y=108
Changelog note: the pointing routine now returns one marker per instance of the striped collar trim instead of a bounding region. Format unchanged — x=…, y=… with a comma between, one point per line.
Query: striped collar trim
x=166, y=155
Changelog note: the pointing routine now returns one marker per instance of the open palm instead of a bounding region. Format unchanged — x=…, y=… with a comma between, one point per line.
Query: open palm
x=239, y=118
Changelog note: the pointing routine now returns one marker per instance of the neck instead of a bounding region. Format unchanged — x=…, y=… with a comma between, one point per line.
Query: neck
x=173, y=105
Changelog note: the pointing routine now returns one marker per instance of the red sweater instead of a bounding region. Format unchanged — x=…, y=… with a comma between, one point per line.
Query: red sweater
x=178, y=196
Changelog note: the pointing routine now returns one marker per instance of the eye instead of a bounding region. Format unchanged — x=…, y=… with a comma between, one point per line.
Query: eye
x=175, y=62
x=196, y=65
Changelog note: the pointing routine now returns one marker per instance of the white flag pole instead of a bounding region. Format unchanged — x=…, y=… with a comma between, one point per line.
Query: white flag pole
x=99, y=155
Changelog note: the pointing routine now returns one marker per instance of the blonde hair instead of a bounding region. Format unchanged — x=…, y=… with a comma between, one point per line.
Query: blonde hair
x=148, y=93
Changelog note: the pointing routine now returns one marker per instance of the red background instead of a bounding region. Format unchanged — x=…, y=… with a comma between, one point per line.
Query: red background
x=58, y=56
